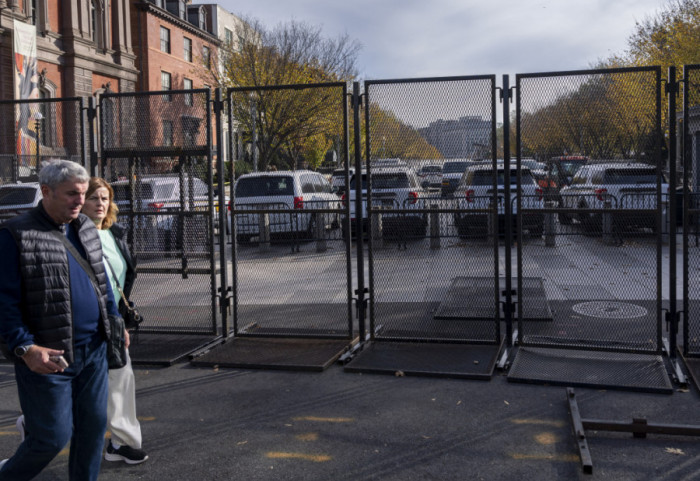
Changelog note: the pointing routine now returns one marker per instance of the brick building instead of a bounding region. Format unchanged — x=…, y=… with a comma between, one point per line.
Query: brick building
x=82, y=45
x=173, y=43
x=86, y=47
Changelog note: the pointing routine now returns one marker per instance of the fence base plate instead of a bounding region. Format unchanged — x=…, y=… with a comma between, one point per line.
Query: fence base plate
x=603, y=370
x=270, y=353
x=465, y=361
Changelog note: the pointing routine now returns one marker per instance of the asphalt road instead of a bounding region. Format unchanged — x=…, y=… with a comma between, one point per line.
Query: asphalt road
x=226, y=424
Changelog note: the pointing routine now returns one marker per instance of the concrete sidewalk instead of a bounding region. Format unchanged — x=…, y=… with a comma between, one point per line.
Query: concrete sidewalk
x=225, y=424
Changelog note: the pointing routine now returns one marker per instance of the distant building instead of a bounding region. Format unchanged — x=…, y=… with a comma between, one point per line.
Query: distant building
x=224, y=25
x=469, y=137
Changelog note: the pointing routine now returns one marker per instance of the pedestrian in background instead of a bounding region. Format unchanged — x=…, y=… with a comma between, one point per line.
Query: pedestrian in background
x=125, y=442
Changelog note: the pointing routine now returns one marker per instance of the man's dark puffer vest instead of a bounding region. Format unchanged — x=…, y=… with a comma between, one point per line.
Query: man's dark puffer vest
x=46, y=302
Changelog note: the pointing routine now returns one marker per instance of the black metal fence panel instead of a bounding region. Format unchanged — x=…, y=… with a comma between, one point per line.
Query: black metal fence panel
x=589, y=145
x=433, y=262
x=156, y=153
x=35, y=130
x=292, y=272
x=691, y=211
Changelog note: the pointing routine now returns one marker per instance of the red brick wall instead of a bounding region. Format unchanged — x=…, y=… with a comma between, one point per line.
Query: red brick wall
x=54, y=73
x=55, y=17
x=99, y=80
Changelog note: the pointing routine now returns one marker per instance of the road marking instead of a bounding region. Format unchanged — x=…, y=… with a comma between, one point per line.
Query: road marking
x=9, y=433
x=564, y=458
x=546, y=438
x=545, y=422
x=146, y=418
x=316, y=458
x=323, y=420
x=307, y=437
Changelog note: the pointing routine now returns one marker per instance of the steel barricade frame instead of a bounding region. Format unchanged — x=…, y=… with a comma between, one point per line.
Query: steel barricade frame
x=691, y=212
x=273, y=239
x=402, y=307
x=155, y=152
x=543, y=102
x=60, y=124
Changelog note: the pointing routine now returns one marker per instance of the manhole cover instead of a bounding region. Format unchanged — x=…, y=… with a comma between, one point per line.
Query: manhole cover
x=610, y=310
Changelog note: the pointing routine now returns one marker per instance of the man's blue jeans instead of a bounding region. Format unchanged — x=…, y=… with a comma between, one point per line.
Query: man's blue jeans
x=57, y=408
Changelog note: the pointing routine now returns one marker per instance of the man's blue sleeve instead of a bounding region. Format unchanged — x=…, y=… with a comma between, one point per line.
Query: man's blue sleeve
x=12, y=330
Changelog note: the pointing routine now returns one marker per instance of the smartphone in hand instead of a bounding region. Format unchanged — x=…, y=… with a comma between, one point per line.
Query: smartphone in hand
x=60, y=360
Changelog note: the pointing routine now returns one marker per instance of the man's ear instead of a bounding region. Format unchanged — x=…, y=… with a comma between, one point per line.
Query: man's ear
x=45, y=189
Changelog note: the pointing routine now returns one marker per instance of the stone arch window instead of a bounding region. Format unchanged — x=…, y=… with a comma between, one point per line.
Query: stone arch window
x=37, y=11
x=99, y=24
x=47, y=90
x=106, y=126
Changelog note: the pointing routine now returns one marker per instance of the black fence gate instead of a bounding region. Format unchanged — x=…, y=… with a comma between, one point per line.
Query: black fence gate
x=292, y=275
x=691, y=220
x=606, y=227
x=434, y=276
x=156, y=153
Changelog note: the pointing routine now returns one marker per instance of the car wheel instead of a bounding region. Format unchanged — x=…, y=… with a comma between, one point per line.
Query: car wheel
x=565, y=219
x=243, y=238
x=536, y=231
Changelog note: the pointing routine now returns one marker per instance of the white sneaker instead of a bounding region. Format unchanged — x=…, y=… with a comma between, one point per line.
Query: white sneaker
x=20, y=427
x=2, y=463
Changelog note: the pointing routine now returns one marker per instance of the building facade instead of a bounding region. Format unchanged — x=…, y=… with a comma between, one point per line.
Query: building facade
x=82, y=46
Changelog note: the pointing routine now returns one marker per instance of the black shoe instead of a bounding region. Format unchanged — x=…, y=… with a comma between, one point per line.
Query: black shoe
x=125, y=453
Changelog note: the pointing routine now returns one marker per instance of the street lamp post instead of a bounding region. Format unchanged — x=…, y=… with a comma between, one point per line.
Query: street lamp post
x=38, y=118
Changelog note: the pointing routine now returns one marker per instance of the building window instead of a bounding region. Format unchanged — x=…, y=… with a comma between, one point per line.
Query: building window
x=97, y=23
x=166, y=84
x=187, y=84
x=203, y=19
x=167, y=133
x=188, y=49
x=164, y=40
x=206, y=57
x=228, y=37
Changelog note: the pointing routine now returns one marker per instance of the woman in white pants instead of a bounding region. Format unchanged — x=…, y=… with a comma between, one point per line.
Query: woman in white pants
x=125, y=442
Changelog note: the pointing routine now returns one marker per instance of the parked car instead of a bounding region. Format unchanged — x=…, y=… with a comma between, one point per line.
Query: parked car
x=560, y=171
x=452, y=171
x=395, y=162
x=475, y=192
x=338, y=180
x=289, y=197
x=626, y=186
x=431, y=176
x=17, y=198
x=538, y=169
x=392, y=189
x=157, y=200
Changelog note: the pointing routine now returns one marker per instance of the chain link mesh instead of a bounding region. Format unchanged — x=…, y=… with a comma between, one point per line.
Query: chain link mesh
x=35, y=130
x=421, y=264
x=155, y=152
x=691, y=226
x=292, y=263
x=599, y=250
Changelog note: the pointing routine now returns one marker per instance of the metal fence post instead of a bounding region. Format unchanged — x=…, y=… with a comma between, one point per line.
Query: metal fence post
x=665, y=221
x=434, y=227
x=264, y=231
x=377, y=228
x=319, y=232
x=549, y=225
x=607, y=222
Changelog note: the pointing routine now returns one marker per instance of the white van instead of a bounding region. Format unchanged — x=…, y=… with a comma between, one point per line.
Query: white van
x=288, y=199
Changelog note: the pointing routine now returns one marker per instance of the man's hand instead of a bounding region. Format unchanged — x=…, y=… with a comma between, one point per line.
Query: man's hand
x=38, y=360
